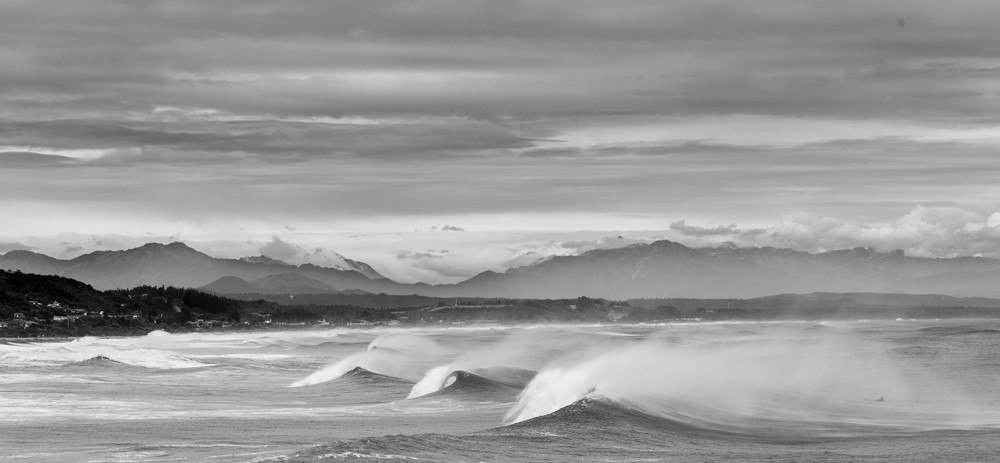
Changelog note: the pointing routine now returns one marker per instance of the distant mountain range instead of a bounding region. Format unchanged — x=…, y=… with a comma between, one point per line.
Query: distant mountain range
x=665, y=267
x=176, y=264
x=280, y=283
x=655, y=270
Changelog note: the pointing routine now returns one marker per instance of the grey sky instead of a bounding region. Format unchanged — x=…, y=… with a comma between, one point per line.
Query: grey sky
x=233, y=120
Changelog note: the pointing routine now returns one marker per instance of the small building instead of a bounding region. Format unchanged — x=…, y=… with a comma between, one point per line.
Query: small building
x=258, y=317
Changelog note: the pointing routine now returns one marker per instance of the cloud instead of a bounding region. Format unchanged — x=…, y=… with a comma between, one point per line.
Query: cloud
x=225, y=76
x=730, y=230
x=607, y=242
x=994, y=220
x=73, y=250
x=522, y=260
x=281, y=250
x=922, y=232
x=298, y=254
x=265, y=138
x=417, y=256
x=29, y=159
x=437, y=265
x=563, y=115
x=7, y=247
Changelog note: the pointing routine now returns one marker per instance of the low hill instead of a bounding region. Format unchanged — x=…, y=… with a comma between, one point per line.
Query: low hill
x=230, y=285
x=284, y=284
x=31, y=303
x=292, y=283
x=832, y=306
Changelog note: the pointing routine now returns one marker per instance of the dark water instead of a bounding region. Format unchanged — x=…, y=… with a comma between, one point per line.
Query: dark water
x=836, y=391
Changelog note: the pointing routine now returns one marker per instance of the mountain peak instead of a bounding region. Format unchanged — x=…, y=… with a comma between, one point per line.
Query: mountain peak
x=291, y=281
x=23, y=252
x=262, y=259
x=175, y=246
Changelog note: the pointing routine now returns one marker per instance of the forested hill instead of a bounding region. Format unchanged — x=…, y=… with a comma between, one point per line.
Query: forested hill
x=42, y=295
x=27, y=299
x=49, y=305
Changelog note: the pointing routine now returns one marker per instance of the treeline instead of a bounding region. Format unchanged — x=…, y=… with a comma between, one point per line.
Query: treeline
x=179, y=305
x=515, y=311
x=831, y=306
x=334, y=315
x=380, y=300
x=46, y=305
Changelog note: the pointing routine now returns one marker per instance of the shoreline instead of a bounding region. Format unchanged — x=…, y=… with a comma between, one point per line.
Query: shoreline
x=441, y=326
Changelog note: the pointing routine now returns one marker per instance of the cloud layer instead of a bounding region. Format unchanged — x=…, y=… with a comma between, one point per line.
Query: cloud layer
x=230, y=120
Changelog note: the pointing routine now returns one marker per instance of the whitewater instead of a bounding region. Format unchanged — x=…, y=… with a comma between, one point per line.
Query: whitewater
x=904, y=390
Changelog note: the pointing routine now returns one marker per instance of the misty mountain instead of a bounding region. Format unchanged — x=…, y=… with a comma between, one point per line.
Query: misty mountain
x=176, y=264
x=281, y=283
x=668, y=268
x=655, y=270
x=33, y=262
x=263, y=260
x=230, y=285
x=328, y=259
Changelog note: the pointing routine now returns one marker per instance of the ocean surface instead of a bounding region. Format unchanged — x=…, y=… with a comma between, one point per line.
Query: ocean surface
x=900, y=390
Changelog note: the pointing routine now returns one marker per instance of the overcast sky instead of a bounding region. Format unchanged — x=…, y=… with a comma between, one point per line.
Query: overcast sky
x=435, y=139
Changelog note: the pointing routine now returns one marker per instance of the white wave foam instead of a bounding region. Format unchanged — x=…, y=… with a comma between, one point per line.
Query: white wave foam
x=398, y=355
x=373, y=456
x=727, y=383
x=263, y=357
x=83, y=349
x=331, y=372
x=434, y=380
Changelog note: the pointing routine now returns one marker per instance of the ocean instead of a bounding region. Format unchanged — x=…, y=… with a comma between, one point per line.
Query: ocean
x=904, y=390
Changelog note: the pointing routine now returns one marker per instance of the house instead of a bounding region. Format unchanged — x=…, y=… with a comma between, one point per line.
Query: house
x=260, y=318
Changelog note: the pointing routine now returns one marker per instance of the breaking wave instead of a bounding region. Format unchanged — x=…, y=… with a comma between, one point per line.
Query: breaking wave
x=964, y=330
x=92, y=351
x=99, y=361
x=804, y=390
x=467, y=385
x=362, y=376
x=444, y=376
x=397, y=355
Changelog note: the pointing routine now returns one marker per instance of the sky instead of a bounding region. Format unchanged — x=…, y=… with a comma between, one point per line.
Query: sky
x=436, y=139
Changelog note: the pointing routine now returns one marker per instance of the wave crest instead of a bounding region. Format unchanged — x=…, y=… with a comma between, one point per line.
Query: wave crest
x=825, y=388
x=443, y=376
x=397, y=355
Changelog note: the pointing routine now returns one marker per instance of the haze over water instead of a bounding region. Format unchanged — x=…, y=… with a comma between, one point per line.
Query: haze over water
x=791, y=391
